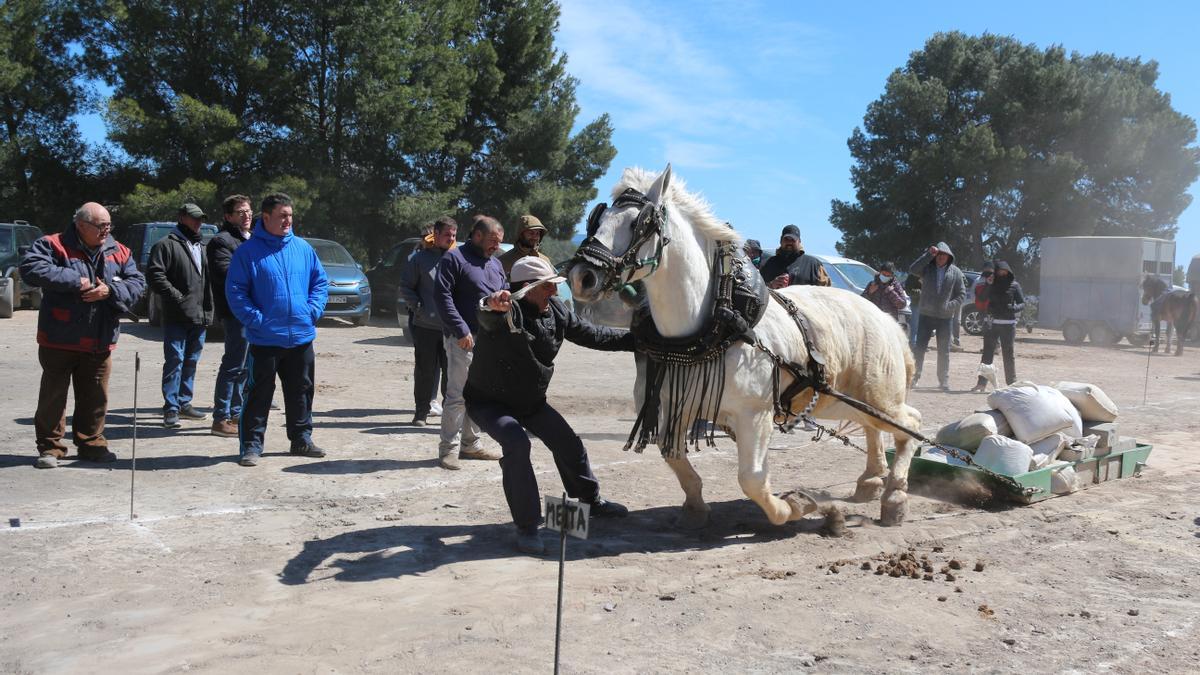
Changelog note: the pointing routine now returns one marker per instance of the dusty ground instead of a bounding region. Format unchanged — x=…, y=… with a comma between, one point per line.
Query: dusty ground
x=374, y=559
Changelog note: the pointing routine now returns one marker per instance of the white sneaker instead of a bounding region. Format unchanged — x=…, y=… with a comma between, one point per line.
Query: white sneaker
x=435, y=409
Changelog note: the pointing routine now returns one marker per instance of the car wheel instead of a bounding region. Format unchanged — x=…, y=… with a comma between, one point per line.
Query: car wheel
x=6, y=299
x=1102, y=335
x=1138, y=339
x=972, y=322
x=363, y=319
x=1074, y=332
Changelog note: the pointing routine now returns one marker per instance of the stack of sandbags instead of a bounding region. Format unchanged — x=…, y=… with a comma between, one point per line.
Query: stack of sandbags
x=1035, y=412
x=1099, y=415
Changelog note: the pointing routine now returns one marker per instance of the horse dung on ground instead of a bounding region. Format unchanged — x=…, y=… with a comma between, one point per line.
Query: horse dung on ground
x=700, y=359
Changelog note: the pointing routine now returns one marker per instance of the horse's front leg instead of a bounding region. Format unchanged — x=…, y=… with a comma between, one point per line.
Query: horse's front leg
x=753, y=431
x=695, y=511
x=894, y=508
x=871, y=482
x=1157, y=334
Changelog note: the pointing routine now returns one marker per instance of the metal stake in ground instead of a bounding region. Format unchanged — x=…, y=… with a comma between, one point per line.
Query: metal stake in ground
x=137, y=369
x=1150, y=345
x=567, y=517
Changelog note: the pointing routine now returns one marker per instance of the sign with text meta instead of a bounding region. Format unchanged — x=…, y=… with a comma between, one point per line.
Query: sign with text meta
x=569, y=515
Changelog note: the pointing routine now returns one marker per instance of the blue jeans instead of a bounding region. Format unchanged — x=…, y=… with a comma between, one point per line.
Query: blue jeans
x=182, y=345
x=231, y=375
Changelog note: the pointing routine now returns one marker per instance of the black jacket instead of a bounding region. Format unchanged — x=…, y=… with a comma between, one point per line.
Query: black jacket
x=219, y=253
x=186, y=295
x=1004, y=298
x=805, y=269
x=514, y=368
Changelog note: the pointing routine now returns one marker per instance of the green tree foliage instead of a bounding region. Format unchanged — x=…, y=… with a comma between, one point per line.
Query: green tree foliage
x=990, y=145
x=42, y=159
x=389, y=114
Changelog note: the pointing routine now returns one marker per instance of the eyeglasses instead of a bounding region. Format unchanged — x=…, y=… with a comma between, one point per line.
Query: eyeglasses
x=99, y=227
x=243, y=212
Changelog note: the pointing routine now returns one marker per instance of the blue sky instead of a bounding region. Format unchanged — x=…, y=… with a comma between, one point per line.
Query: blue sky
x=752, y=102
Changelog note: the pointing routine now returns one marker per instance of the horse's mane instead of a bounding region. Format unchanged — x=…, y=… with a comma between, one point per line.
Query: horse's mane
x=692, y=206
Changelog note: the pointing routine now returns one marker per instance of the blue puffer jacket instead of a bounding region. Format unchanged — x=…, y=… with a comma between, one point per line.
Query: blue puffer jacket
x=277, y=289
x=56, y=264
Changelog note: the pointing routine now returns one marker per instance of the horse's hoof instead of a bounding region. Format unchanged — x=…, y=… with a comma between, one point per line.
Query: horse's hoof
x=895, y=508
x=800, y=503
x=868, y=490
x=693, y=519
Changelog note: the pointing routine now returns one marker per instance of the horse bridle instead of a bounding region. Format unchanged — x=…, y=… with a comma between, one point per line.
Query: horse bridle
x=647, y=224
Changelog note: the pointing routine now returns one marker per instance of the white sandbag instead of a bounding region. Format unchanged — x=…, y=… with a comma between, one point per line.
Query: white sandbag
x=1050, y=445
x=967, y=432
x=1004, y=455
x=1064, y=480
x=1002, y=426
x=1091, y=401
x=938, y=455
x=1035, y=412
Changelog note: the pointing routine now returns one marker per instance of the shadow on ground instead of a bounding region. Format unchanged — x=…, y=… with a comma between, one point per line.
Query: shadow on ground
x=402, y=550
x=355, y=466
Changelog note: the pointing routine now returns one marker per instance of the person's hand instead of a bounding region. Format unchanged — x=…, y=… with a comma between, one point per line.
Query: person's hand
x=871, y=287
x=96, y=293
x=933, y=250
x=85, y=284
x=500, y=301
x=467, y=342
x=780, y=281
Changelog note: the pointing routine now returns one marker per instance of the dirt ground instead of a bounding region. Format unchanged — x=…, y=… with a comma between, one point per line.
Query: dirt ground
x=374, y=559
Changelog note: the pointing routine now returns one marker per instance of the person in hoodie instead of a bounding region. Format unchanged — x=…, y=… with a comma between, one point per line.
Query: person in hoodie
x=885, y=291
x=791, y=266
x=529, y=242
x=943, y=288
x=277, y=289
x=231, y=374
x=178, y=273
x=1004, y=301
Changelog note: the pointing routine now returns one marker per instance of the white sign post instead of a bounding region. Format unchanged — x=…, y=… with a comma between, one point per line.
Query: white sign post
x=566, y=517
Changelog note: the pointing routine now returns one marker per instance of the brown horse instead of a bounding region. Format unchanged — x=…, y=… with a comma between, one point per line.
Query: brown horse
x=1178, y=308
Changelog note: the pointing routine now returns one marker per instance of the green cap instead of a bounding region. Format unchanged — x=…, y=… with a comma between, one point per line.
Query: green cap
x=190, y=209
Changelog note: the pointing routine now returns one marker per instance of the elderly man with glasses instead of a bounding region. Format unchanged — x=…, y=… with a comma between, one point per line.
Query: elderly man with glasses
x=88, y=280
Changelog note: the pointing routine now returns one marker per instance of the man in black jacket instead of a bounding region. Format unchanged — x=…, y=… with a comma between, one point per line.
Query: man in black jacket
x=791, y=266
x=178, y=273
x=520, y=333
x=231, y=374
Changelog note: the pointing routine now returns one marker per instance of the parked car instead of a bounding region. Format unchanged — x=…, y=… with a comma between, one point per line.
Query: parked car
x=140, y=238
x=15, y=239
x=972, y=318
x=385, y=276
x=349, y=288
x=852, y=275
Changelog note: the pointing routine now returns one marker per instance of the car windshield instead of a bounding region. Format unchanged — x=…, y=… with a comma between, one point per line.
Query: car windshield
x=332, y=253
x=858, y=274
x=6, y=239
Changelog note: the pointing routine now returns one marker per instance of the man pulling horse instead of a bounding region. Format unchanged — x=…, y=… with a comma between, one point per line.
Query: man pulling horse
x=1177, y=307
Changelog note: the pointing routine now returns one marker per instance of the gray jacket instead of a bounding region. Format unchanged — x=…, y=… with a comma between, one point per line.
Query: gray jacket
x=939, y=302
x=417, y=284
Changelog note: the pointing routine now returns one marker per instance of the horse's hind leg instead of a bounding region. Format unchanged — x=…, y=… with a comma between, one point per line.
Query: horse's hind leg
x=870, y=483
x=895, y=495
x=695, y=511
x=753, y=435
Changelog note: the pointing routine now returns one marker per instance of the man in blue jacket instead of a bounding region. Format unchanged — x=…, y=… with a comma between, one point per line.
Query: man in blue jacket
x=88, y=281
x=465, y=275
x=277, y=289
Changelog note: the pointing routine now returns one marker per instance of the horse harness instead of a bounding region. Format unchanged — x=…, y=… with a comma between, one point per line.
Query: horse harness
x=647, y=224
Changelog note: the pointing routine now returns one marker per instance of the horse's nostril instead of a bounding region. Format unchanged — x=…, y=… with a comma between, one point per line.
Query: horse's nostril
x=588, y=280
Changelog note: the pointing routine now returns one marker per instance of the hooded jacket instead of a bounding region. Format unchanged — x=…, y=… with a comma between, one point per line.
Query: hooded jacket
x=187, y=296
x=1003, y=296
x=940, y=301
x=519, y=250
x=56, y=264
x=277, y=289
x=513, y=365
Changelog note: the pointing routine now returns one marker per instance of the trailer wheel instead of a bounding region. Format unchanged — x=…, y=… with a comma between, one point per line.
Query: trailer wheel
x=1074, y=332
x=1102, y=335
x=1138, y=339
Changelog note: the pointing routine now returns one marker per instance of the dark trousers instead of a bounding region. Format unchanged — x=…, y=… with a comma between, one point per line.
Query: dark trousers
x=430, y=367
x=1005, y=334
x=296, y=368
x=89, y=372
x=520, y=484
x=231, y=375
x=928, y=326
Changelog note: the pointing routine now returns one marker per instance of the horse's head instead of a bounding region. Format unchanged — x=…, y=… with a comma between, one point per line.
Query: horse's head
x=1152, y=287
x=624, y=241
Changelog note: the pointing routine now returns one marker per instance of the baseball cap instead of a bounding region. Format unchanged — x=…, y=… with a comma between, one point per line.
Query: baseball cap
x=190, y=209
x=790, y=231
x=532, y=270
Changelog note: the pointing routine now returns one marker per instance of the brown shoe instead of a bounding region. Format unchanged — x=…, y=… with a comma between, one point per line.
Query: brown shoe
x=225, y=428
x=449, y=462
x=480, y=452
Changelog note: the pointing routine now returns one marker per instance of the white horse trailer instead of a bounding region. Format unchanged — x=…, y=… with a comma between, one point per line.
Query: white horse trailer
x=1091, y=286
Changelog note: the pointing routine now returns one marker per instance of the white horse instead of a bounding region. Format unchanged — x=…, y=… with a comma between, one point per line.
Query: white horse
x=865, y=351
